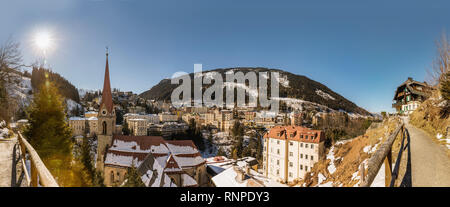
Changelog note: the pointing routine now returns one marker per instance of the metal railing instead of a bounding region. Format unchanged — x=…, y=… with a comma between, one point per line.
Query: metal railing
x=38, y=172
x=384, y=154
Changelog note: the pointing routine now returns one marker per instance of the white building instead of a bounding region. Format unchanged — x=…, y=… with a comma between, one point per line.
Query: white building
x=291, y=151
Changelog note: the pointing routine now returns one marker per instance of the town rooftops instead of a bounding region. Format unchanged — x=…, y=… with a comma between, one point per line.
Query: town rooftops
x=132, y=150
x=296, y=133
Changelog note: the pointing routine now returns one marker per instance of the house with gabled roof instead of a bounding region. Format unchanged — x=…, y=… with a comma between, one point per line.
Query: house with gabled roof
x=158, y=161
x=410, y=94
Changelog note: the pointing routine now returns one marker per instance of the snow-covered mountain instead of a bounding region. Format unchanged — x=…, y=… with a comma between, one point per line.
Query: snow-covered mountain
x=297, y=91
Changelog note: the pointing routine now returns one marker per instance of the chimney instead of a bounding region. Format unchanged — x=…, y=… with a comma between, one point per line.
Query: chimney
x=410, y=79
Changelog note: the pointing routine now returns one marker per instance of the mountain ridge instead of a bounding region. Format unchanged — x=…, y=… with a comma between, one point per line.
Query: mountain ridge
x=293, y=87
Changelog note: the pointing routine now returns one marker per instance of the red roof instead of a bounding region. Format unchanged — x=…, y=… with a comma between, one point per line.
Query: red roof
x=106, y=94
x=296, y=133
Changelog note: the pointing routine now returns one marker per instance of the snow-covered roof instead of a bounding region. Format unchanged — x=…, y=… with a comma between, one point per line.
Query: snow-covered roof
x=126, y=150
x=76, y=118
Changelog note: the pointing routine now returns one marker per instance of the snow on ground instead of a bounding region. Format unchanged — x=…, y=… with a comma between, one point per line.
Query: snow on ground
x=324, y=95
x=328, y=184
x=20, y=90
x=444, y=139
x=321, y=178
x=331, y=167
x=4, y=132
x=71, y=105
x=284, y=81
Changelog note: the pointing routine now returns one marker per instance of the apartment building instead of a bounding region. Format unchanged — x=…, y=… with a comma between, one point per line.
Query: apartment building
x=291, y=151
x=138, y=127
x=167, y=117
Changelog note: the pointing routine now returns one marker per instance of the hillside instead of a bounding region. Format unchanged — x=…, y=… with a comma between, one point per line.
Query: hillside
x=433, y=117
x=341, y=166
x=66, y=89
x=296, y=91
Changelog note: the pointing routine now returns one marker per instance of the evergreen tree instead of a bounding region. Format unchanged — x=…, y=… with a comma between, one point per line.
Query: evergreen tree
x=125, y=128
x=50, y=135
x=445, y=87
x=132, y=178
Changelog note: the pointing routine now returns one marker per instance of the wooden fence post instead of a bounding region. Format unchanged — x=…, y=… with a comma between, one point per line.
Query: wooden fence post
x=34, y=175
x=388, y=168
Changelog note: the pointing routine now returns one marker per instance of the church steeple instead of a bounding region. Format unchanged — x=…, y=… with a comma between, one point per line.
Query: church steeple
x=107, y=102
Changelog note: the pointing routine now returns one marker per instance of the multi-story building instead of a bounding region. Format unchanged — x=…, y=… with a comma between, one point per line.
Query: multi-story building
x=138, y=127
x=409, y=95
x=83, y=126
x=167, y=117
x=151, y=118
x=78, y=126
x=291, y=151
x=209, y=118
x=250, y=115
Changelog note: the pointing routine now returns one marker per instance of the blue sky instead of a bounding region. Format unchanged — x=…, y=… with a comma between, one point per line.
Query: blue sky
x=360, y=50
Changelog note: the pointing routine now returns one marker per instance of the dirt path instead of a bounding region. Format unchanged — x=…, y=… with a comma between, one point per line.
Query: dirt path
x=6, y=151
x=429, y=161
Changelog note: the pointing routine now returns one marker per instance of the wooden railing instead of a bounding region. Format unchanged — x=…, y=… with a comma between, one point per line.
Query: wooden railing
x=384, y=154
x=39, y=173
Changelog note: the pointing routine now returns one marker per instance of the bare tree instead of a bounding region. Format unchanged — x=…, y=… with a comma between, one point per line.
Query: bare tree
x=441, y=64
x=10, y=64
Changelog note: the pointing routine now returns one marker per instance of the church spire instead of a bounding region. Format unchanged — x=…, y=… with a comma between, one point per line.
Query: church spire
x=107, y=102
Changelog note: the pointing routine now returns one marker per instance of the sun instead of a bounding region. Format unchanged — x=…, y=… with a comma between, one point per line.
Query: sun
x=43, y=40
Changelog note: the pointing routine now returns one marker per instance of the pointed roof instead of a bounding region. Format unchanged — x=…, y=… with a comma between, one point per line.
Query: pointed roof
x=172, y=165
x=106, y=94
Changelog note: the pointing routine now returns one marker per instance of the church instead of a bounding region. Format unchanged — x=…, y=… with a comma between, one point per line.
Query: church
x=178, y=163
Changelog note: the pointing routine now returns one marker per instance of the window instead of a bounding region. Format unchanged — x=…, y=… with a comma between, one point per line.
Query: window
x=312, y=137
x=291, y=143
x=301, y=155
x=104, y=127
x=278, y=151
x=112, y=177
x=301, y=167
x=291, y=154
x=306, y=145
x=312, y=146
x=301, y=136
x=290, y=164
x=301, y=144
x=278, y=172
x=306, y=168
x=278, y=162
x=278, y=141
x=290, y=174
x=312, y=157
x=306, y=156
x=306, y=136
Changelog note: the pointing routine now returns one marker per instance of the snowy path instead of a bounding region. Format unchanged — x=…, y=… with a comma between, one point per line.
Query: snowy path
x=430, y=163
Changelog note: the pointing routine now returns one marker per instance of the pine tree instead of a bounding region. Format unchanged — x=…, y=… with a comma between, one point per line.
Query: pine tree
x=132, y=178
x=50, y=135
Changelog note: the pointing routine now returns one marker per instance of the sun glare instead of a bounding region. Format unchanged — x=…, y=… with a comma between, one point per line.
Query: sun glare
x=43, y=40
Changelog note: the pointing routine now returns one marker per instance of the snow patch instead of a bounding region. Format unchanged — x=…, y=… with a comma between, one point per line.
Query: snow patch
x=324, y=95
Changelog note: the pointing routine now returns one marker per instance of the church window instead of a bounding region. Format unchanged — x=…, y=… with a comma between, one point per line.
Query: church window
x=104, y=127
x=112, y=177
